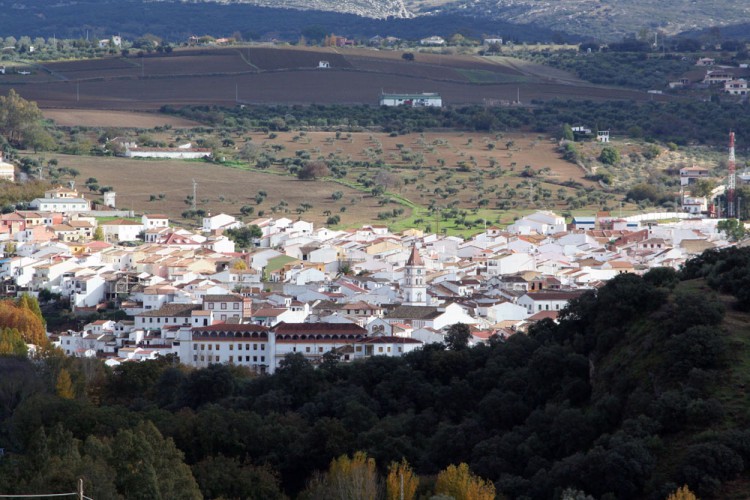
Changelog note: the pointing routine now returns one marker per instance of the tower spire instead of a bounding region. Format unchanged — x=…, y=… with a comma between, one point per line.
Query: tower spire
x=415, y=290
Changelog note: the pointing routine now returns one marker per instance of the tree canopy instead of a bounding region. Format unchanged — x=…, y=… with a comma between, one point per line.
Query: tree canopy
x=21, y=122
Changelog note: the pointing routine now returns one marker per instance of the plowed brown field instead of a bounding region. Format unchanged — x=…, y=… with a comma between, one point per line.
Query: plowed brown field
x=290, y=75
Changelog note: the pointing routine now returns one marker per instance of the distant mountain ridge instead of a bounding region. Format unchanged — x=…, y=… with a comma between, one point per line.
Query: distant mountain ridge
x=603, y=19
x=378, y=9
x=518, y=20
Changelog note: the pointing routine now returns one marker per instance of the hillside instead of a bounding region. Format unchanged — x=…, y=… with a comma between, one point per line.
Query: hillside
x=609, y=20
x=639, y=389
x=512, y=19
x=290, y=75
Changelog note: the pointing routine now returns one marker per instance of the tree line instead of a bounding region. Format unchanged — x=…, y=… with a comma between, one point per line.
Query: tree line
x=679, y=122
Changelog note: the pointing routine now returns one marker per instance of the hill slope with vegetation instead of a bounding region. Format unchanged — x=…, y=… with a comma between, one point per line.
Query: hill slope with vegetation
x=638, y=390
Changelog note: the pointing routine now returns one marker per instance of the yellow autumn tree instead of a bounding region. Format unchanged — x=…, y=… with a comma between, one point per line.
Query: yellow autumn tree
x=683, y=493
x=25, y=320
x=11, y=343
x=461, y=484
x=347, y=478
x=64, y=385
x=401, y=483
x=239, y=265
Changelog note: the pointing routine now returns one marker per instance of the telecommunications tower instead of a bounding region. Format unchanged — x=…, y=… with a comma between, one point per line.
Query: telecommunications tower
x=731, y=178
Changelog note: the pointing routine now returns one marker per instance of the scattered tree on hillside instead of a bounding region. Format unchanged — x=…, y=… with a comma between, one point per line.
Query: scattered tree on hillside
x=312, y=170
x=609, y=156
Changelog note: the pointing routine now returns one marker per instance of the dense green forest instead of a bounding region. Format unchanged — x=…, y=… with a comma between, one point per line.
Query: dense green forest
x=626, y=69
x=681, y=122
x=638, y=390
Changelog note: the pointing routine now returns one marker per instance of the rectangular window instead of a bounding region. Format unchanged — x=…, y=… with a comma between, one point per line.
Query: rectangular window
x=320, y=349
x=389, y=349
x=210, y=347
x=223, y=305
x=307, y=349
x=380, y=349
x=195, y=357
x=218, y=358
x=231, y=347
x=255, y=359
x=247, y=347
x=400, y=349
x=247, y=358
x=359, y=348
x=236, y=305
x=217, y=347
x=210, y=305
x=262, y=359
x=195, y=347
x=203, y=347
x=263, y=347
x=255, y=347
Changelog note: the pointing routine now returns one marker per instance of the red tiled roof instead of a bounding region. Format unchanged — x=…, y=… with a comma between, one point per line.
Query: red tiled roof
x=319, y=328
x=414, y=259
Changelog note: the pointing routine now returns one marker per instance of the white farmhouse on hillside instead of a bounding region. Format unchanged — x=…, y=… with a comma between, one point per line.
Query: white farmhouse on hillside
x=423, y=100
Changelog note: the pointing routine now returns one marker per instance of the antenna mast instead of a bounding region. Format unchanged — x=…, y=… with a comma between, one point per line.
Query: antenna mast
x=731, y=178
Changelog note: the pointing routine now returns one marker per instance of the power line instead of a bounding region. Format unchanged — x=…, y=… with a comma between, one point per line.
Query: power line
x=42, y=495
x=78, y=494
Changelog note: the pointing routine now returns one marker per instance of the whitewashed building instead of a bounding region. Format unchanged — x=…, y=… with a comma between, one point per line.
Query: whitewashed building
x=413, y=100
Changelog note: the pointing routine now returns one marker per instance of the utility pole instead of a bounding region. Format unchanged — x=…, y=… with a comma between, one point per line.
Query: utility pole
x=531, y=193
x=80, y=489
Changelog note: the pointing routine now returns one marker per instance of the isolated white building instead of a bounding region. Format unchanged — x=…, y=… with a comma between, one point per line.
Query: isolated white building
x=412, y=100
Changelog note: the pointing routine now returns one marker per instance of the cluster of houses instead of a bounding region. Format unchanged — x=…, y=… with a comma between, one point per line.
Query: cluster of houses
x=316, y=291
x=732, y=80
